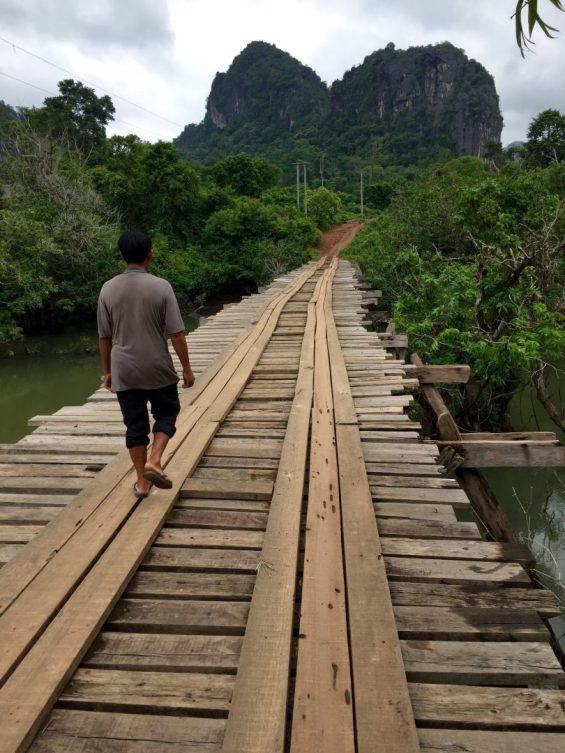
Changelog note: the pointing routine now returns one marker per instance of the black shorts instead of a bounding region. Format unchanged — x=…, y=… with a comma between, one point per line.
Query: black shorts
x=165, y=407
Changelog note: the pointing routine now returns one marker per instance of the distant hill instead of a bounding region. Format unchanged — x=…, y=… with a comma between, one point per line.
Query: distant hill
x=396, y=108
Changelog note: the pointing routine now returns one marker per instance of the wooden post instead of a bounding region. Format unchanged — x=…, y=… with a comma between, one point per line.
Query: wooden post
x=484, y=503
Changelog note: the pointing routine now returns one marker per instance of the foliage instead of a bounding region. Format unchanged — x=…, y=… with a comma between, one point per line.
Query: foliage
x=546, y=139
x=245, y=175
x=324, y=208
x=57, y=238
x=242, y=239
x=472, y=265
x=61, y=212
x=523, y=38
x=77, y=117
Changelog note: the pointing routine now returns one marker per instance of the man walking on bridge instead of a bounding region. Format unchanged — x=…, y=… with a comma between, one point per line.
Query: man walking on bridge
x=136, y=313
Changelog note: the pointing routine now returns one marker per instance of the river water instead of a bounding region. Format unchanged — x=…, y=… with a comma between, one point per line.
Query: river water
x=59, y=372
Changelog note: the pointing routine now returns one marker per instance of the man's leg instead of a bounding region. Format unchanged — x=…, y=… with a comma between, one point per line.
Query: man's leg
x=133, y=404
x=165, y=407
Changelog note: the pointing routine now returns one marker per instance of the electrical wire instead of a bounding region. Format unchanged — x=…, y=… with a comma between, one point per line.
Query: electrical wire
x=90, y=83
x=46, y=91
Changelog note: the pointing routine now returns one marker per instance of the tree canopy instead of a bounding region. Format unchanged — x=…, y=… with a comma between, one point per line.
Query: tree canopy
x=77, y=116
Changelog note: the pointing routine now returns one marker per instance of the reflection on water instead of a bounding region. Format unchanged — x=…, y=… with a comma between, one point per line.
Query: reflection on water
x=61, y=370
x=534, y=498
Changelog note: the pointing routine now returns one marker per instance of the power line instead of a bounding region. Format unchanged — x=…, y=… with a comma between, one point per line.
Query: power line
x=21, y=81
x=46, y=91
x=97, y=86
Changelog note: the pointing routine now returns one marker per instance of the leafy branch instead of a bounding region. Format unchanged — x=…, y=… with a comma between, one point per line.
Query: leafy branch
x=524, y=33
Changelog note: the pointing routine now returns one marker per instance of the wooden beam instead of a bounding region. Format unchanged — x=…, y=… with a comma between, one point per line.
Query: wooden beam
x=442, y=374
x=484, y=503
x=481, y=454
x=538, y=436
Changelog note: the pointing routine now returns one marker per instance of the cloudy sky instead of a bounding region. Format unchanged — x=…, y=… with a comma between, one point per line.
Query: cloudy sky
x=163, y=54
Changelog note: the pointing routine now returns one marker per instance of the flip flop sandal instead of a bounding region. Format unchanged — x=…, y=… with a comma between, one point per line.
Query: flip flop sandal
x=160, y=480
x=137, y=494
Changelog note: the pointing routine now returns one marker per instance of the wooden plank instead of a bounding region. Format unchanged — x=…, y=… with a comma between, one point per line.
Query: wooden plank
x=442, y=374
x=468, y=623
x=228, y=519
x=455, y=571
x=196, y=560
x=104, y=732
x=149, y=691
x=209, y=538
x=485, y=595
x=378, y=672
x=422, y=529
x=474, y=741
x=484, y=708
x=511, y=454
x=414, y=511
x=454, y=497
x=265, y=659
x=227, y=488
x=322, y=716
x=481, y=663
x=164, y=653
x=454, y=550
x=214, y=586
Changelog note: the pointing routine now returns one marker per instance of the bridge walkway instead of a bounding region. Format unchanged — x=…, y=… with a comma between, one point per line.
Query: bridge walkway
x=305, y=586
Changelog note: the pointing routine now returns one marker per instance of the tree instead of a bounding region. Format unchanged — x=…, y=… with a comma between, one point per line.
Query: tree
x=57, y=237
x=524, y=39
x=472, y=264
x=545, y=139
x=324, y=207
x=77, y=117
x=245, y=175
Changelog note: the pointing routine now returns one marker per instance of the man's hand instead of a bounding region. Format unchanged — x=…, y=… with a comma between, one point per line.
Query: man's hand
x=107, y=381
x=187, y=378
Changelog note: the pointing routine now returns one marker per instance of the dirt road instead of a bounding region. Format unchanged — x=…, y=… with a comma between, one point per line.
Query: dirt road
x=340, y=236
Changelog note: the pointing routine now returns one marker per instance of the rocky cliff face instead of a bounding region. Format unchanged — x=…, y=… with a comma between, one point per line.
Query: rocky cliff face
x=402, y=105
x=266, y=84
x=435, y=92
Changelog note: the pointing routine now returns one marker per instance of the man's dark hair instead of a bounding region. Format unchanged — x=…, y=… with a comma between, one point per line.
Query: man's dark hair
x=134, y=246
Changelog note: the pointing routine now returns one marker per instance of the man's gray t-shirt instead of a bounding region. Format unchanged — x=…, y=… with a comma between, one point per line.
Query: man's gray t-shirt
x=138, y=310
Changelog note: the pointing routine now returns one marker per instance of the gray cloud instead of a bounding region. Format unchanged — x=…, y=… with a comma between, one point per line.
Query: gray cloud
x=96, y=24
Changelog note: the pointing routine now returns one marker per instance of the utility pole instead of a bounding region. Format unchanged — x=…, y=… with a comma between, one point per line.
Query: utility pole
x=305, y=190
x=362, y=208
x=297, y=185
x=322, y=166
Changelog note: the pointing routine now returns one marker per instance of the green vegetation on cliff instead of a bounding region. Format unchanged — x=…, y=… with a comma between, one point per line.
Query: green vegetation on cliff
x=397, y=108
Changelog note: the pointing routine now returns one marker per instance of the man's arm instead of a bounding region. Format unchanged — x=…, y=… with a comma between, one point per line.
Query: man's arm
x=178, y=340
x=105, y=347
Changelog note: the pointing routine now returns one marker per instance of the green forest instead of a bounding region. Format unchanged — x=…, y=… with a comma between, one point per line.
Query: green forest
x=67, y=191
x=470, y=257
x=468, y=251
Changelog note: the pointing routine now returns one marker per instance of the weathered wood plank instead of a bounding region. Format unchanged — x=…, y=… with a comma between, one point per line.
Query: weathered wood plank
x=481, y=663
x=165, y=653
x=484, y=708
x=106, y=732
x=474, y=741
x=149, y=691
x=265, y=659
x=456, y=571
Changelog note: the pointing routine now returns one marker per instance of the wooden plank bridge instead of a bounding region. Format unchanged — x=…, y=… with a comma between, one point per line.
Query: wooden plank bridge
x=306, y=586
